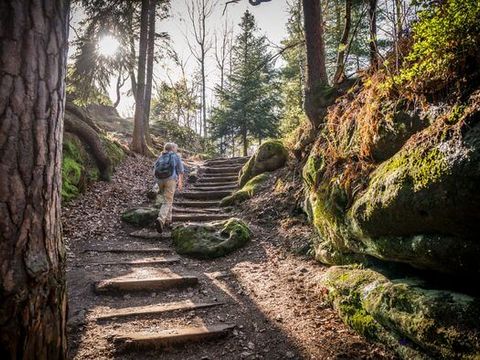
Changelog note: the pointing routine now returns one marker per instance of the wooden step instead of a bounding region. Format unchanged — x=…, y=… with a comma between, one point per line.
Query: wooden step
x=153, y=250
x=155, y=309
x=180, y=336
x=149, y=284
x=213, y=188
x=150, y=234
x=222, y=170
x=179, y=210
x=219, y=179
x=199, y=217
x=226, y=161
x=143, y=262
x=221, y=175
x=198, y=204
x=206, y=195
x=210, y=184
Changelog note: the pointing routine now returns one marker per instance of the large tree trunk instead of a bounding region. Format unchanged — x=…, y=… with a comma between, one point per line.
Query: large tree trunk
x=372, y=18
x=340, y=70
x=150, y=57
x=139, y=144
x=316, y=79
x=33, y=43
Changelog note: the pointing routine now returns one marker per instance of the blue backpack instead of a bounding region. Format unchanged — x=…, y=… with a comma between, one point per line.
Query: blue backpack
x=164, y=166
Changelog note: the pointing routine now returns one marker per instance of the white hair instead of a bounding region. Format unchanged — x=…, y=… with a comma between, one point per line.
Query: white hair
x=170, y=146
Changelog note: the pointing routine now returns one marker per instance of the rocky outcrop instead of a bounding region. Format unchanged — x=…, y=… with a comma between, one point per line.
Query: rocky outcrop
x=210, y=240
x=419, y=207
x=405, y=315
x=270, y=156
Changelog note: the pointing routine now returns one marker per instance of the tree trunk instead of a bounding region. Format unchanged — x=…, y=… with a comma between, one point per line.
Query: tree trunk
x=139, y=144
x=245, y=141
x=372, y=16
x=316, y=79
x=340, y=71
x=150, y=57
x=34, y=41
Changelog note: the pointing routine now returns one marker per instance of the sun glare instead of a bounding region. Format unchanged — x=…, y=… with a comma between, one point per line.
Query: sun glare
x=108, y=46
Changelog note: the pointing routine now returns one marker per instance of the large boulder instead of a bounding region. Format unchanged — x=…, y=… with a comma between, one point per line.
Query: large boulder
x=270, y=156
x=142, y=216
x=402, y=313
x=210, y=240
x=421, y=206
x=246, y=192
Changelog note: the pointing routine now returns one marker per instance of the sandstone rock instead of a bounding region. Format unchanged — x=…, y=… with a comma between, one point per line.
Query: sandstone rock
x=246, y=192
x=143, y=216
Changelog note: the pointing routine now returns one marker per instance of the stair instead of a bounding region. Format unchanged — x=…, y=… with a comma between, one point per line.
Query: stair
x=199, y=217
x=141, y=262
x=214, y=188
x=222, y=170
x=206, y=184
x=153, y=250
x=149, y=284
x=206, y=195
x=198, y=204
x=182, y=336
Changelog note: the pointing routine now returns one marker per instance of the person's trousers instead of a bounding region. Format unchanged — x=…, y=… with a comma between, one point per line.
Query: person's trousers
x=166, y=190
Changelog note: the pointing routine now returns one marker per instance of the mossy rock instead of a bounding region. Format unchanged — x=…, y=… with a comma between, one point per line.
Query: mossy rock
x=143, y=216
x=270, y=156
x=246, y=192
x=210, y=240
x=416, y=322
x=75, y=165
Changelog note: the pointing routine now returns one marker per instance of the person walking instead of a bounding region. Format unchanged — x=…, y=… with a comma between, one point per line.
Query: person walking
x=168, y=172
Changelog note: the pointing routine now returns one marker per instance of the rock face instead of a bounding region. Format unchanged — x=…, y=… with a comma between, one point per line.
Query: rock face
x=246, y=192
x=210, y=240
x=270, y=156
x=404, y=315
x=421, y=206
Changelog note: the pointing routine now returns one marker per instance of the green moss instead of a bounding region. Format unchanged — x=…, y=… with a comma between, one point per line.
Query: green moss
x=246, y=192
x=210, y=240
x=114, y=151
x=270, y=156
x=72, y=168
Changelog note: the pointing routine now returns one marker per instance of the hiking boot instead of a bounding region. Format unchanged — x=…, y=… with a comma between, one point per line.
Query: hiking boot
x=158, y=226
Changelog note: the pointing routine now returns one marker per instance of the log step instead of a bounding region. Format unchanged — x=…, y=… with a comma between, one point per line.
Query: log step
x=180, y=336
x=205, y=184
x=155, y=309
x=200, y=217
x=198, y=204
x=206, y=195
x=151, y=261
x=149, y=284
x=226, y=161
x=131, y=251
x=213, y=188
x=230, y=174
x=217, y=179
x=222, y=170
x=196, y=210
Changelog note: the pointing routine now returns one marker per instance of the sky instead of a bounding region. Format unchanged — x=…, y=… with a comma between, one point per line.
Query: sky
x=271, y=19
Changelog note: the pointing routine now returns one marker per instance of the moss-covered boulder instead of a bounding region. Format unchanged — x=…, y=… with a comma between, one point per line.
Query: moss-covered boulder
x=411, y=319
x=246, y=192
x=270, y=156
x=210, y=240
x=420, y=207
x=143, y=216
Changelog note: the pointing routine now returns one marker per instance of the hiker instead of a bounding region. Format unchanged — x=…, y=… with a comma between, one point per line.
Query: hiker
x=168, y=171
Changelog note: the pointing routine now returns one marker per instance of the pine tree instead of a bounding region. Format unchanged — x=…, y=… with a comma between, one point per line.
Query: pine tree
x=248, y=104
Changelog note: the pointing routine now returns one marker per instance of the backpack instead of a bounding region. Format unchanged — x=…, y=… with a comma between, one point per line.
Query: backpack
x=164, y=166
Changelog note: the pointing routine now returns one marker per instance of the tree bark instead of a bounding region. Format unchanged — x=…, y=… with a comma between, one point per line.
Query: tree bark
x=150, y=58
x=34, y=41
x=340, y=70
x=316, y=77
x=372, y=16
x=139, y=144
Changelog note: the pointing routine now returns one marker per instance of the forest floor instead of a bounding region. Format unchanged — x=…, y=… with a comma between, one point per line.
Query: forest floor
x=266, y=290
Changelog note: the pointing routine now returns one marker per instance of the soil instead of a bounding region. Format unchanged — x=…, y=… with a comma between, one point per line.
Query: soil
x=269, y=291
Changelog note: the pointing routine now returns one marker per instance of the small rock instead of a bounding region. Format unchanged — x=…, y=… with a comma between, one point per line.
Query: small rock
x=251, y=345
x=289, y=355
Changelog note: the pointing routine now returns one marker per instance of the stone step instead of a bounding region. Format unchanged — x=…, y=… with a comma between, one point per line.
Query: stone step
x=222, y=170
x=199, y=217
x=210, y=184
x=180, y=336
x=198, y=204
x=226, y=161
x=155, y=250
x=206, y=195
x=149, y=284
x=155, y=309
x=213, y=188
x=217, y=179
x=139, y=262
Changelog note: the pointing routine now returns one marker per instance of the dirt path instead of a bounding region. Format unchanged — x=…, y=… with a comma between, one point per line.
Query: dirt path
x=131, y=297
